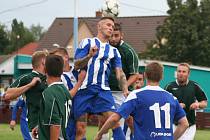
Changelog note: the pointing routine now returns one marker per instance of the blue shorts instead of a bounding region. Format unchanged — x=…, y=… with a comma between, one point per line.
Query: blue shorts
x=93, y=100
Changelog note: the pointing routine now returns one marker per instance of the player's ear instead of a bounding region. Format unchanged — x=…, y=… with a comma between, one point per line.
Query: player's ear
x=122, y=35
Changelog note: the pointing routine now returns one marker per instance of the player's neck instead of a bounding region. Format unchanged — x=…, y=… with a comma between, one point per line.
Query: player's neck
x=151, y=83
x=51, y=79
x=39, y=70
x=102, y=38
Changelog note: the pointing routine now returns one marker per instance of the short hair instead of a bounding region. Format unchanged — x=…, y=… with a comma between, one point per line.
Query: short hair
x=60, y=50
x=154, y=71
x=37, y=57
x=117, y=27
x=141, y=73
x=54, y=65
x=186, y=65
x=104, y=18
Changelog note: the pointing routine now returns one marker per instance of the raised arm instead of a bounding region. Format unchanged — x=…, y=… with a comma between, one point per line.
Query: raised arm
x=13, y=93
x=120, y=75
x=82, y=62
x=81, y=78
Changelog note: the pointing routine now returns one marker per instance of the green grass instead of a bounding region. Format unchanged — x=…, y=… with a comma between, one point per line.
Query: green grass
x=7, y=134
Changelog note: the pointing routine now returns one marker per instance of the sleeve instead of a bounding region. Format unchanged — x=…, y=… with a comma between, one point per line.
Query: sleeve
x=132, y=62
x=15, y=109
x=20, y=81
x=128, y=106
x=199, y=93
x=83, y=49
x=116, y=61
x=179, y=112
x=51, y=114
x=167, y=87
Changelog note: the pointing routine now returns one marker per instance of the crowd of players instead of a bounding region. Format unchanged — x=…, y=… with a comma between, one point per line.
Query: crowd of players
x=105, y=81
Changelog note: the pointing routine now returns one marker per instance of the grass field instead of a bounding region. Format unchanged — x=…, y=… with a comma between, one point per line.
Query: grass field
x=7, y=134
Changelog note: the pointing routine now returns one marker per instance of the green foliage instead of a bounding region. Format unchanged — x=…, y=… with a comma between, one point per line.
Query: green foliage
x=37, y=31
x=18, y=37
x=4, y=40
x=185, y=34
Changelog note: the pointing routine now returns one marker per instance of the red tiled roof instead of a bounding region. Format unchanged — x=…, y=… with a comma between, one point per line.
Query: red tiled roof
x=138, y=30
x=28, y=49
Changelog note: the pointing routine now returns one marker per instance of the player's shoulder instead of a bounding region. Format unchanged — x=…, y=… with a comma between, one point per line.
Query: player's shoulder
x=193, y=82
x=171, y=84
x=149, y=89
x=84, y=43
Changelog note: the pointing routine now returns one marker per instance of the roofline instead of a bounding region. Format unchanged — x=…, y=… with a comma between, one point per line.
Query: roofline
x=117, y=17
x=143, y=62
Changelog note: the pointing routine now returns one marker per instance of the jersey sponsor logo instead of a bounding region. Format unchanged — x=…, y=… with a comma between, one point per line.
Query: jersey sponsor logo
x=174, y=88
x=160, y=134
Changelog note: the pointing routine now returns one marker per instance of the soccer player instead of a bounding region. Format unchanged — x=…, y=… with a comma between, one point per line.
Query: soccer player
x=129, y=60
x=31, y=85
x=54, y=106
x=153, y=110
x=98, y=57
x=190, y=97
x=23, y=119
x=72, y=83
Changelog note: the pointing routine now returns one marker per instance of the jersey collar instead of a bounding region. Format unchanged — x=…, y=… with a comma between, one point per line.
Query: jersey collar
x=121, y=42
x=184, y=84
x=103, y=43
x=35, y=71
x=56, y=83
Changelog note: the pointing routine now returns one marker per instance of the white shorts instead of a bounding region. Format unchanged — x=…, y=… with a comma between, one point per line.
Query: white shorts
x=189, y=134
x=118, y=98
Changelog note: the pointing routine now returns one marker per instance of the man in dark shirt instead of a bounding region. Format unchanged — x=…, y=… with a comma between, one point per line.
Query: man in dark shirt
x=190, y=96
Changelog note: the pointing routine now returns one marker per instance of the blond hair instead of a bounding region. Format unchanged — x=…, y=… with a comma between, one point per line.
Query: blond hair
x=37, y=57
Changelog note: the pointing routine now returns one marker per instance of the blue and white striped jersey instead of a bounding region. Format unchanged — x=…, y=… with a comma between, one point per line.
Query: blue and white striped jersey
x=154, y=110
x=70, y=78
x=99, y=66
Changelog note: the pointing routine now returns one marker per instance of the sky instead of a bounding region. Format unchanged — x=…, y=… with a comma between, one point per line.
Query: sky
x=44, y=12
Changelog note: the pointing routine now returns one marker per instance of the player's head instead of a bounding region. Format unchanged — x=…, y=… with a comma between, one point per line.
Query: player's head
x=105, y=27
x=61, y=51
x=54, y=65
x=38, y=59
x=154, y=72
x=140, y=81
x=183, y=72
x=117, y=35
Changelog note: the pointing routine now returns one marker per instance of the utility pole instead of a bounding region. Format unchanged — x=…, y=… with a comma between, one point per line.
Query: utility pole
x=75, y=33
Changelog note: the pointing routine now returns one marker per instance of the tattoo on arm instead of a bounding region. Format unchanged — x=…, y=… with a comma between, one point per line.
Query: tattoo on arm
x=123, y=82
x=81, y=63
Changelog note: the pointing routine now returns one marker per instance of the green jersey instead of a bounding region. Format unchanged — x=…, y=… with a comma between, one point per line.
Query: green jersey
x=54, y=110
x=187, y=94
x=129, y=65
x=33, y=95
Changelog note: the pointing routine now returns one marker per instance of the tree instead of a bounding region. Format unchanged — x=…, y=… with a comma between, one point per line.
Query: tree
x=4, y=40
x=37, y=31
x=186, y=34
x=19, y=36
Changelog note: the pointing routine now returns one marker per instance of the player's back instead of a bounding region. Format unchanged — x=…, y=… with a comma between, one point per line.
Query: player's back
x=154, y=114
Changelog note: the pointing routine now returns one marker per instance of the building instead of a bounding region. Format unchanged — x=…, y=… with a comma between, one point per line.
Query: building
x=138, y=31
